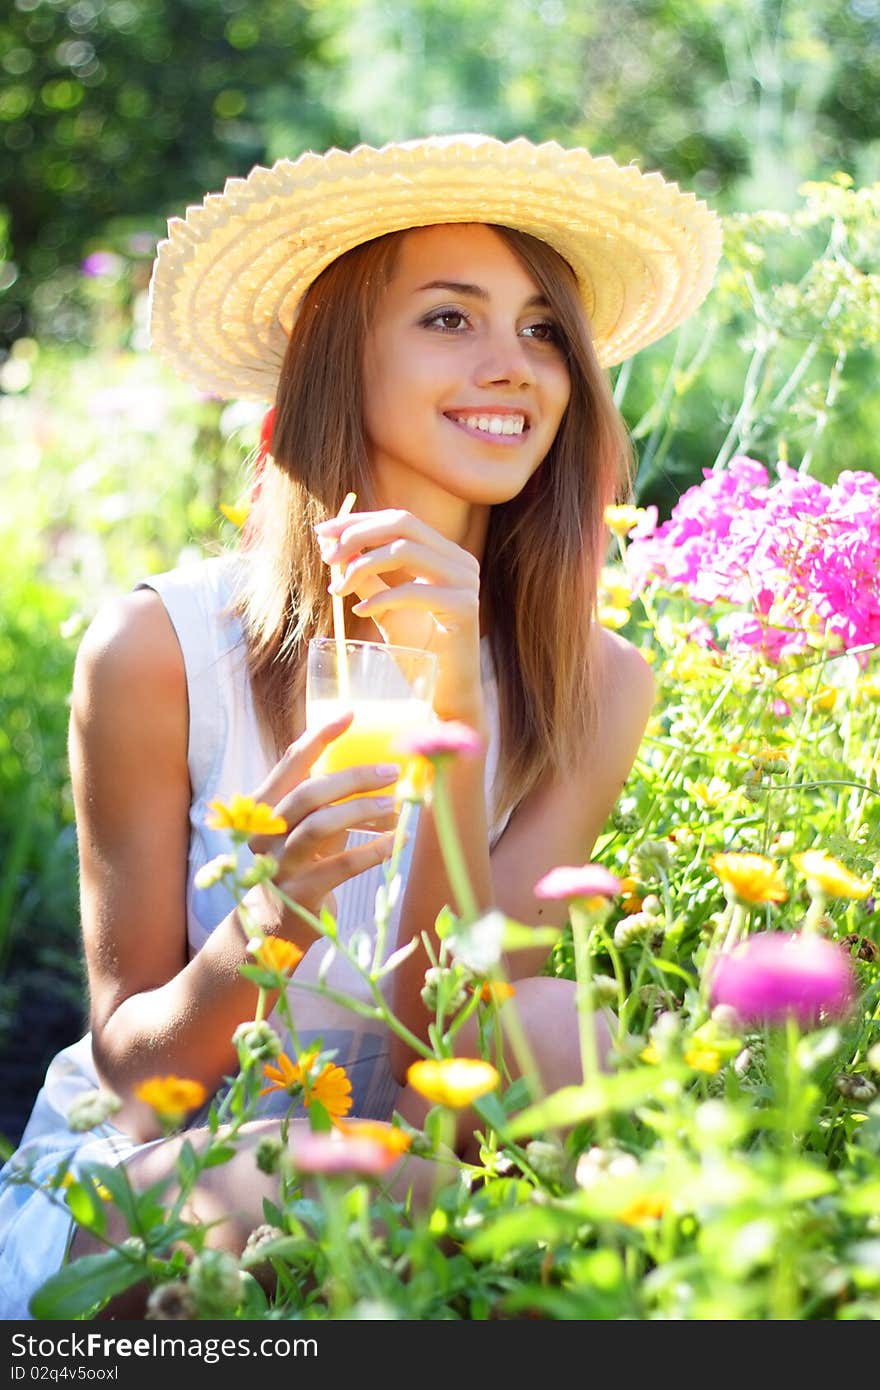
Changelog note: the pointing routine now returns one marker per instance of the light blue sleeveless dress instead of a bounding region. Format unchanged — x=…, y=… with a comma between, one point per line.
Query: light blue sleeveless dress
x=227, y=754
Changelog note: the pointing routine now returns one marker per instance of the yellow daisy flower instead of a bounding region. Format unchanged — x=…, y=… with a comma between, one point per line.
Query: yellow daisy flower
x=245, y=816
x=829, y=875
x=706, y=1059
x=643, y=1209
x=751, y=878
x=452, y=1081
x=621, y=520
x=236, y=512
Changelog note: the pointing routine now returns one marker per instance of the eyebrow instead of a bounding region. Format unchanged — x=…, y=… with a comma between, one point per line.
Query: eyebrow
x=537, y=301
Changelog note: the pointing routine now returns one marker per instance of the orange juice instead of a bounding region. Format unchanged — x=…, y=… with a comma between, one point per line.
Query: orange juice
x=374, y=735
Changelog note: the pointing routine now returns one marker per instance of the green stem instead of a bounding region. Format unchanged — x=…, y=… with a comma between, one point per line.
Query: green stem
x=450, y=846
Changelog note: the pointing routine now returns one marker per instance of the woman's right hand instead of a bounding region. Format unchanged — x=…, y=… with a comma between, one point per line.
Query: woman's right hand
x=311, y=853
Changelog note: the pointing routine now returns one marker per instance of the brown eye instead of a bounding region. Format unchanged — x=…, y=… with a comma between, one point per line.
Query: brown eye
x=544, y=332
x=447, y=320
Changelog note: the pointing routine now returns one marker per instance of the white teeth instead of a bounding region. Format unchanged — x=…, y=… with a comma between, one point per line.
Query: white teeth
x=494, y=424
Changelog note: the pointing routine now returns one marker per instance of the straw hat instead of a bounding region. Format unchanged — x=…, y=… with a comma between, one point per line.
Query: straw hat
x=229, y=278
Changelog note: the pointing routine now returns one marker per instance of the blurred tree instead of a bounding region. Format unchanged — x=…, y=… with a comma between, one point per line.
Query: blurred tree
x=114, y=111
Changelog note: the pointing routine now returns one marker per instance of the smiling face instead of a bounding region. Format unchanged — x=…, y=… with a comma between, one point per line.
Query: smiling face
x=465, y=375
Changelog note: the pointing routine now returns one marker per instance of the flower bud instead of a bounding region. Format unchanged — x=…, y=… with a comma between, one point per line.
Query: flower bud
x=174, y=1302
x=215, y=870
x=605, y=989
x=262, y=870
x=256, y=1041
x=215, y=1281
x=633, y=928
x=649, y=859
x=625, y=817
x=859, y=1088
x=268, y=1155
x=547, y=1160
x=92, y=1109
x=439, y=980
x=252, y=1254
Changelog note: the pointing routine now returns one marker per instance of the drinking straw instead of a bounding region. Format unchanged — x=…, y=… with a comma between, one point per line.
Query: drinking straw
x=339, y=614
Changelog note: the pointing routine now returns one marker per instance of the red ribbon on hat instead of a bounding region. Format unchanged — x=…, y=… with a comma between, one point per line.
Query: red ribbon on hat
x=264, y=448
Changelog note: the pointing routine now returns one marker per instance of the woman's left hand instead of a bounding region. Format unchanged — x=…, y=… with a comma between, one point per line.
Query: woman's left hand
x=420, y=589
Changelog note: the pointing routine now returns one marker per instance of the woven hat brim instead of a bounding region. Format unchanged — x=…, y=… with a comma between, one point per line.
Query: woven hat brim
x=229, y=277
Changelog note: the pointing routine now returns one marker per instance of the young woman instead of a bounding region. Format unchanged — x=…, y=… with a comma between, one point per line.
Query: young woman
x=433, y=321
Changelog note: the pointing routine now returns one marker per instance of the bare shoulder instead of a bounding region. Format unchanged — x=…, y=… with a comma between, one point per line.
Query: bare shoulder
x=627, y=689
x=129, y=718
x=130, y=641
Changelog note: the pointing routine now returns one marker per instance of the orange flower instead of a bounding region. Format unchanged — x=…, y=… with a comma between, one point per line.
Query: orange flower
x=278, y=954
x=284, y=1077
x=643, y=1209
x=245, y=816
x=331, y=1087
x=453, y=1081
x=171, y=1096
x=750, y=877
x=499, y=990
x=390, y=1137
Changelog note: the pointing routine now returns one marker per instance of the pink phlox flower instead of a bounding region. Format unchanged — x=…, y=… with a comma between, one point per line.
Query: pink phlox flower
x=784, y=554
x=584, y=881
x=444, y=739
x=774, y=975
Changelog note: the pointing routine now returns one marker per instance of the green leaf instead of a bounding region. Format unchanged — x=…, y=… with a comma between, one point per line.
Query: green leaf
x=79, y=1287
x=669, y=967
x=218, y=1154
x=601, y=1096
x=518, y=936
x=319, y=1117
x=522, y=1226
x=86, y=1207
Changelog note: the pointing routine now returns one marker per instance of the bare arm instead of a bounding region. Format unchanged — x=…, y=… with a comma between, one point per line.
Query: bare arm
x=153, y=1010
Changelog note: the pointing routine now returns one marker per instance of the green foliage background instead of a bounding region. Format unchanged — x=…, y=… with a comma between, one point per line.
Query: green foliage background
x=114, y=114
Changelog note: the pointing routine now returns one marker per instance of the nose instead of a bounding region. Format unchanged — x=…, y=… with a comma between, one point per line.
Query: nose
x=504, y=361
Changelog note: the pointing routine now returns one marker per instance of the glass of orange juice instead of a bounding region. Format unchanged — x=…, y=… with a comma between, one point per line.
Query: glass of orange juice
x=390, y=689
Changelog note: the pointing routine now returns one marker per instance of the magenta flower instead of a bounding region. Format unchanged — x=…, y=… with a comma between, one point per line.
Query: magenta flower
x=443, y=740
x=102, y=265
x=795, y=557
x=333, y=1152
x=584, y=881
x=774, y=975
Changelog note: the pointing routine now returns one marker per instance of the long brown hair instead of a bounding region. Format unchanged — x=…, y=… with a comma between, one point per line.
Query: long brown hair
x=544, y=548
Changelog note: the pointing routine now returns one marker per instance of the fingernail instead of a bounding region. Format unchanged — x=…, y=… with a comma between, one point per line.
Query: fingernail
x=385, y=803
x=359, y=607
x=388, y=770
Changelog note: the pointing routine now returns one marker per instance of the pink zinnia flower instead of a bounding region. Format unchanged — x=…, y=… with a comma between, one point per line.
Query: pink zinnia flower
x=585, y=881
x=443, y=740
x=334, y=1152
x=774, y=975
